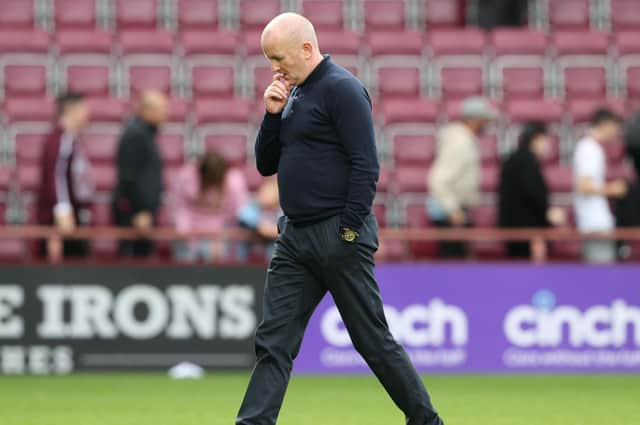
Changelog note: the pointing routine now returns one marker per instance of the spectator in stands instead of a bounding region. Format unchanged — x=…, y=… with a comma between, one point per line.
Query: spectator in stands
x=206, y=196
x=138, y=192
x=502, y=13
x=66, y=188
x=591, y=189
x=261, y=213
x=523, y=192
x=455, y=176
x=628, y=207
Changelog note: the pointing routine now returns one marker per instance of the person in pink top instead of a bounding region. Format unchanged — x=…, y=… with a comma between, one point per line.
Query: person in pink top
x=206, y=196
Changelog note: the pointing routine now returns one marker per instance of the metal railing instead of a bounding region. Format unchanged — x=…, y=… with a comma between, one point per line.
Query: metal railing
x=534, y=236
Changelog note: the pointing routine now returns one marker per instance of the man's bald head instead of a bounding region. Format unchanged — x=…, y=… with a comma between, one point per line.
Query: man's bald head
x=290, y=28
x=290, y=43
x=153, y=107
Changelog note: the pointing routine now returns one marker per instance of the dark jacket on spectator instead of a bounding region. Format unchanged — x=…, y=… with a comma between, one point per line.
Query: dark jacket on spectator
x=139, y=167
x=524, y=197
x=65, y=177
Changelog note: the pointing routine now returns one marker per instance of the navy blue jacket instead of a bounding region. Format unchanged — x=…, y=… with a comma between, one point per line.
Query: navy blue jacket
x=323, y=148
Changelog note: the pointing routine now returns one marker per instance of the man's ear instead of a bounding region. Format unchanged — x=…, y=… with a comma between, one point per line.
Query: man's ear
x=307, y=48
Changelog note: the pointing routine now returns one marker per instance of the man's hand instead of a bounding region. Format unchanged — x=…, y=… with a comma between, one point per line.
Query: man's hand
x=556, y=216
x=276, y=95
x=457, y=218
x=65, y=222
x=143, y=221
x=616, y=189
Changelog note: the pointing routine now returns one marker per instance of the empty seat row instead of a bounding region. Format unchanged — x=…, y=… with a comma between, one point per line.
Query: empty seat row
x=369, y=15
x=509, y=64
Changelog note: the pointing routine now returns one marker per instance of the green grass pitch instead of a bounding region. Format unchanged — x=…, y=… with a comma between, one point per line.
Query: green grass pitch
x=153, y=399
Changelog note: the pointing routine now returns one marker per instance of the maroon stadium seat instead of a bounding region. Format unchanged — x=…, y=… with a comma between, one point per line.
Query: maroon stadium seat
x=107, y=109
x=254, y=14
x=136, y=15
x=344, y=48
x=397, y=64
x=519, y=64
x=384, y=15
x=92, y=80
x=253, y=177
x=458, y=63
x=85, y=63
x=212, y=81
x=559, y=178
x=23, y=41
x=325, y=14
x=13, y=250
x=100, y=143
x=233, y=147
x=414, y=216
x=261, y=78
x=625, y=15
x=25, y=80
x=75, y=14
x=396, y=43
x=411, y=179
x=17, y=14
x=104, y=177
x=147, y=61
x=380, y=210
x=534, y=110
x=397, y=81
x=234, y=110
x=569, y=14
x=486, y=216
x=29, y=146
x=628, y=43
x=413, y=149
x=582, y=63
x=580, y=110
x=489, y=176
x=101, y=216
x=216, y=43
x=197, y=15
x=394, y=111
x=443, y=13
x=29, y=109
x=24, y=63
x=338, y=42
x=615, y=153
x=488, y=148
x=172, y=147
x=29, y=177
x=6, y=175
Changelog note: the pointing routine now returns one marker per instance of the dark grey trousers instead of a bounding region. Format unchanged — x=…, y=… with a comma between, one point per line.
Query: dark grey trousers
x=307, y=262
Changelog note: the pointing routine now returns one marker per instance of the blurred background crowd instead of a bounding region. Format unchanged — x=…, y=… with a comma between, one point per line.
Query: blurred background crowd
x=490, y=113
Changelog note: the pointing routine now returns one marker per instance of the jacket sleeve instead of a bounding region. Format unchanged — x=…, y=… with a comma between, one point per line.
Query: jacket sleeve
x=350, y=113
x=449, y=165
x=134, y=177
x=267, y=147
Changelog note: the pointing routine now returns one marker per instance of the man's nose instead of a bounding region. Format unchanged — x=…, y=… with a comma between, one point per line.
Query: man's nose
x=275, y=67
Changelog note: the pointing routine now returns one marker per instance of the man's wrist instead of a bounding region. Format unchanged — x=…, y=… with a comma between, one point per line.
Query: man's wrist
x=271, y=120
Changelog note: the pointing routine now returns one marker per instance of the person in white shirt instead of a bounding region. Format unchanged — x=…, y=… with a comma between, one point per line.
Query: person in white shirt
x=593, y=214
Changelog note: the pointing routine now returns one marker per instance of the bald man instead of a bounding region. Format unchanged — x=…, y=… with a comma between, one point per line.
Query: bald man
x=317, y=135
x=139, y=189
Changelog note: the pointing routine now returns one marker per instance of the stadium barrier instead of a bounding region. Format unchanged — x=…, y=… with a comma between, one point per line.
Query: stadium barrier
x=534, y=235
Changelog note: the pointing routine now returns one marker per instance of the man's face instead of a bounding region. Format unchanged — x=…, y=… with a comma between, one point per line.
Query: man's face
x=541, y=146
x=610, y=130
x=157, y=112
x=79, y=113
x=286, y=58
